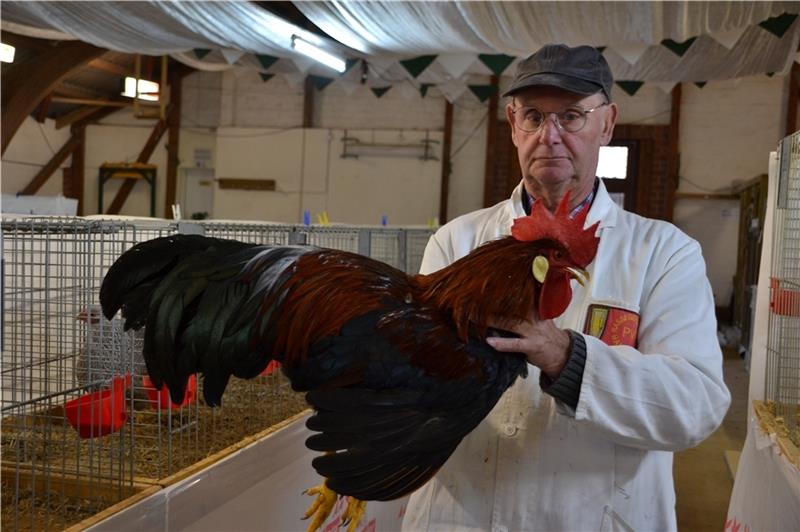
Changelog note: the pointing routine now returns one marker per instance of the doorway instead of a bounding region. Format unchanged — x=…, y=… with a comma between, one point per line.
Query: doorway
x=198, y=197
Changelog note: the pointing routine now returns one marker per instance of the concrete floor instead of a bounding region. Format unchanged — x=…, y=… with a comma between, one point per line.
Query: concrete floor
x=703, y=481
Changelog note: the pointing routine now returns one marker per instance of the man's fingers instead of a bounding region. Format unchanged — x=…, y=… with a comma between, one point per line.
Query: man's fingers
x=507, y=345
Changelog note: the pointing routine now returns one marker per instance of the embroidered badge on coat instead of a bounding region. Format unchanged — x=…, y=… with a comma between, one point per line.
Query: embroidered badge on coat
x=614, y=326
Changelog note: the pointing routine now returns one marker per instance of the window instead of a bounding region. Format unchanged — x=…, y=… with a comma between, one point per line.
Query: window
x=616, y=164
x=613, y=162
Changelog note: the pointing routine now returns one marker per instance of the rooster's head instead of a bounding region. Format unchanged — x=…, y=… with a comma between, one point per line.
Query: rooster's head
x=565, y=249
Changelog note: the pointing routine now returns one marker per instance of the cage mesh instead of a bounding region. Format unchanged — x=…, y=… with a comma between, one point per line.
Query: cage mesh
x=57, y=350
x=783, y=342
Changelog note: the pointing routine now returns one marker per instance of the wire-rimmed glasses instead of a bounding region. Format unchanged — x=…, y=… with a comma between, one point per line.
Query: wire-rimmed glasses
x=572, y=120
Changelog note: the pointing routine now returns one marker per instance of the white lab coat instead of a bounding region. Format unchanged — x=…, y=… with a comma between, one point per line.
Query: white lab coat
x=533, y=463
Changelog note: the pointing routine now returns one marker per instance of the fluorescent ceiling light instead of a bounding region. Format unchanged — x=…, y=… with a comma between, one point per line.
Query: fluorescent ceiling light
x=318, y=54
x=148, y=90
x=7, y=53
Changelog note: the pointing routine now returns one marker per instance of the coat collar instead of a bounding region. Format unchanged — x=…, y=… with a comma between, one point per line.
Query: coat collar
x=603, y=208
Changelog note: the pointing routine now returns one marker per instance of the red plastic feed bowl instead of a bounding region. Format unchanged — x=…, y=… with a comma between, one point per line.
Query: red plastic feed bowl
x=99, y=413
x=782, y=301
x=272, y=367
x=160, y=399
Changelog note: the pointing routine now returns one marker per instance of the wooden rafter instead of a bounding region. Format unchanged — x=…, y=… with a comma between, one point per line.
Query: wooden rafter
x=74, y=179
x=96, y=116
x=44, y=174
x=71, y=90
x=110, y=68
x=43, y=108
x=674, y=161
x=491, y=141
x=98, y=101
x=75, y=115
x=173, y=137
x=308, y=102
x=25, y=85
x=28, y=43
x=446, y=168
x=144, y=156
x=171, y=123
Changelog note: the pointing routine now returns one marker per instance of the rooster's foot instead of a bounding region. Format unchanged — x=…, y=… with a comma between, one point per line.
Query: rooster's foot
x=354, y=513
x=321, y=507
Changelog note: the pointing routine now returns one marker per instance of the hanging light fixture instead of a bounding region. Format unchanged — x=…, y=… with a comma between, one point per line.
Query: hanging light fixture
x=141, y=89
x=318, y=54
x=7, y=53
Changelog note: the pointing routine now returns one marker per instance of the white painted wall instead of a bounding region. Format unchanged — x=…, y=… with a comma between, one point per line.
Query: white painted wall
x=30, y=149
x=310, y=173
x=727, y=130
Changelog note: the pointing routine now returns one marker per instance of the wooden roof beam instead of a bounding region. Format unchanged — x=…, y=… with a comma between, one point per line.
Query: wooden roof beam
x=44, y=174
x=29, y=43
x=173, y=138
x=71, y=90
x=144, y=156
x=75, y=115
x=110, y=68
x=99, y=114
x=25, y=85
x=491, y=143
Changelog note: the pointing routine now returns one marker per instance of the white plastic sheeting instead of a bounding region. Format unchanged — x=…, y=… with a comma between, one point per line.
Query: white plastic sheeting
x=256, y=488
x=630, y=31
x=729, y=42
x=159, y=28
x=766, y=494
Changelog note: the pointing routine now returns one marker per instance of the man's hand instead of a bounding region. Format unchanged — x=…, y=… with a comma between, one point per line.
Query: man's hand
x=543, y=344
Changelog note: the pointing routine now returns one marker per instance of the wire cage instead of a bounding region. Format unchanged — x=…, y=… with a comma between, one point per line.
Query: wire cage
x=783, y=343
x=82, y=425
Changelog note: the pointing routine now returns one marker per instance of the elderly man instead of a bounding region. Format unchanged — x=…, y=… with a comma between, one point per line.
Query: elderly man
x=631, y=372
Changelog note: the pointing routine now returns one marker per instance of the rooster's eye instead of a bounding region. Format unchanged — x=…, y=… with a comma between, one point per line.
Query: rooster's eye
x=558, y=255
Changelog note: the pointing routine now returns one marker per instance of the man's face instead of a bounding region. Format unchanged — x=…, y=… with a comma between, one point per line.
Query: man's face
x=554, y=161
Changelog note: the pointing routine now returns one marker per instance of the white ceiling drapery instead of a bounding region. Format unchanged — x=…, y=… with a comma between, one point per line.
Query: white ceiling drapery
x=625, y=29
x=728, y=40
x=159, y=28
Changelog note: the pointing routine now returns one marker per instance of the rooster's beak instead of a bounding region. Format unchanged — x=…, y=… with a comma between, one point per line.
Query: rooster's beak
x=580, y=275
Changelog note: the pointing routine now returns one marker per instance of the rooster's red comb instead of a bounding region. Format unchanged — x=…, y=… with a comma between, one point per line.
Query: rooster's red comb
x=541, y=224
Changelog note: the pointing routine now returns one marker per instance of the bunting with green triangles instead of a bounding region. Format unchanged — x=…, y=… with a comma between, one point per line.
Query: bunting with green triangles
x=630, y=87
x=266, y=61
x=416, y=66
x=482, y=92
x=454, y=73
x=778, y=25
x=497, y=63
x=320, y=82
x=678, y=48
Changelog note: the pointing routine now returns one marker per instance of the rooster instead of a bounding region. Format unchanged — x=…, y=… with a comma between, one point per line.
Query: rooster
x=396, y=367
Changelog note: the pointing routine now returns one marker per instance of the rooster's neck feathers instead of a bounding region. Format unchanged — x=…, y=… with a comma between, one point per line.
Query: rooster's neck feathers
x=493, y=280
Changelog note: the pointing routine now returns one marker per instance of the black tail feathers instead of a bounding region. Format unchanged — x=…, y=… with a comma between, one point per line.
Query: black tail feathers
x=182, y=289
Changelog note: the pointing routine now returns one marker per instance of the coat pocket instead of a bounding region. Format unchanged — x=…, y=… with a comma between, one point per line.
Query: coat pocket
x=613, y=322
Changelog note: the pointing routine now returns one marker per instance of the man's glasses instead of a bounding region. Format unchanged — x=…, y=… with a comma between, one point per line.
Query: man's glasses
x=530, y=119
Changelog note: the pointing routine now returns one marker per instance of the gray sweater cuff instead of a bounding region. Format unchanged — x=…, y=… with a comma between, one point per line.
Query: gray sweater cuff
x=567, y=386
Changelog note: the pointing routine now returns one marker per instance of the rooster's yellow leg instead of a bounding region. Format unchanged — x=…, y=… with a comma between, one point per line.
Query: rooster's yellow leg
x=321, y=507
x=354, y=513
